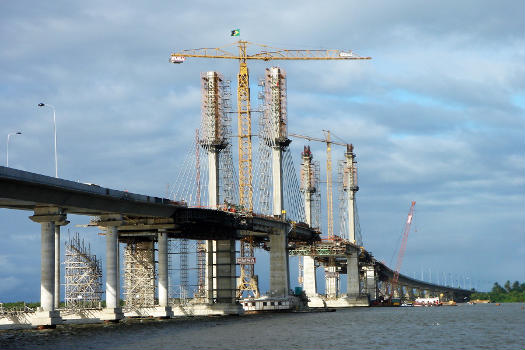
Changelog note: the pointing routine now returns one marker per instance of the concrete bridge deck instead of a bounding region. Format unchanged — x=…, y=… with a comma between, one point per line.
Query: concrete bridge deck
x=24, y=190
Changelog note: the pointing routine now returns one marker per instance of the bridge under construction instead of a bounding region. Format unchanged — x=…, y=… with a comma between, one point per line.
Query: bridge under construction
x=265, y=205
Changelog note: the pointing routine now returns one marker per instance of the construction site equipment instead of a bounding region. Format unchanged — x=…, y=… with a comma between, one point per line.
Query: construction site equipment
x=402, y=248
x=139, y=274
x=331, y=274
x=266, y=53
x=329, y=183
x=83, y=272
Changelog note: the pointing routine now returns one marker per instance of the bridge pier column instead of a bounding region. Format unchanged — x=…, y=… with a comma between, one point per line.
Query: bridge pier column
x=310, y=282
x=113, y=311
x=225, y=271
x=220, y=284
x=163, y=310
x=57, y=261
x=279, y=271
x=162, y=246
x=352, y=270
x=411, y=295
x=47, y=216
x=209, y=286
x=370, y=282
x=332, y=281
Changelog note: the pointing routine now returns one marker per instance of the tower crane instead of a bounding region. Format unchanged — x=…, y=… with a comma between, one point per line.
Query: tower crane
x=266, y=53
x=402, y=248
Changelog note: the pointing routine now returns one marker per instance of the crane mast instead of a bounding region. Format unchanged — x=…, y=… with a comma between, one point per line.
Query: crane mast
x=329, y=186
x=245, y=131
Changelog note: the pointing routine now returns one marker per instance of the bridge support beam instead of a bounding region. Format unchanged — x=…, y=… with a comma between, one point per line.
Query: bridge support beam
x=113, y=311
x=47, y=216
x=279, y=271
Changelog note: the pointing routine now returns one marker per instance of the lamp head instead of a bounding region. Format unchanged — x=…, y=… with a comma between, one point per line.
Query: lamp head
x=41, y=104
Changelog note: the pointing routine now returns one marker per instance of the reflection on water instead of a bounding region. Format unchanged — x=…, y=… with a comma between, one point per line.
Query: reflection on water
x=461, y=327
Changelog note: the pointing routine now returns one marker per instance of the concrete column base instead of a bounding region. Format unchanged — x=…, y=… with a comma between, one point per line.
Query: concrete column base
x=46, y=318
x=111, y=314
x=348, y=301
x=82, y=316
x=218, y=309
x=162, y=312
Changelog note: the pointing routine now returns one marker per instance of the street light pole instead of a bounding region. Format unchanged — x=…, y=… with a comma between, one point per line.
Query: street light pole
x=7, y=148
x=55, y=132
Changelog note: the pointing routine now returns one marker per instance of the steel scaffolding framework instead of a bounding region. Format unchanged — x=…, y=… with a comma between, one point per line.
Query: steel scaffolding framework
x=139, y=274
x=83, y=275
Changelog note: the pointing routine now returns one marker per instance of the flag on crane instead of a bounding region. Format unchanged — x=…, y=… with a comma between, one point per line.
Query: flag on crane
x=235, y=32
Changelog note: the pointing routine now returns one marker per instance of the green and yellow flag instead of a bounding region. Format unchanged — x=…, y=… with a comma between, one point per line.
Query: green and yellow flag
x=235, y=32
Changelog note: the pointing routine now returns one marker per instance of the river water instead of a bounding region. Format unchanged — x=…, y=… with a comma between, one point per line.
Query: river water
x=461, y=327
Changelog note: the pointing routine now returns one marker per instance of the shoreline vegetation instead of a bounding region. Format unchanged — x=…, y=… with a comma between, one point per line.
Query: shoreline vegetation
x=509, y=293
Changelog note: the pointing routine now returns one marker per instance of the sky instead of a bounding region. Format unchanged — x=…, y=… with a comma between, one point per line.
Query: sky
x=436, y=117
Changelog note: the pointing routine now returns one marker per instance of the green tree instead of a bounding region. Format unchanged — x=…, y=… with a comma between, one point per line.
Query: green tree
x=497, y=289
x=507, y=286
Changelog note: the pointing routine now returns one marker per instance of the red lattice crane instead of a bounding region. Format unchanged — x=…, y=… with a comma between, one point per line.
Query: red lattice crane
x=403, y=247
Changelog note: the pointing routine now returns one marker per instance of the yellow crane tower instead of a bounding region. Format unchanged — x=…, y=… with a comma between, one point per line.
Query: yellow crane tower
x=266, y=53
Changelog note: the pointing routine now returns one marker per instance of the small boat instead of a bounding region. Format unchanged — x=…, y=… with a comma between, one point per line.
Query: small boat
x=427, y=302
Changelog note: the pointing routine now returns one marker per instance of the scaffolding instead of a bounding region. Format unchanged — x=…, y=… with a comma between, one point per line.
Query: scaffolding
x=215, y=132
x=183, y=261
x=201, y=269
x=139, y=274
x=83, y=275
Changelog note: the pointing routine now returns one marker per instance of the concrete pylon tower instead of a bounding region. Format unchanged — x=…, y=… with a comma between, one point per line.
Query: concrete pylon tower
x=220, y=254
x=350, y=187
x=276, y=137
x=213, y=130
x=308, y=187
